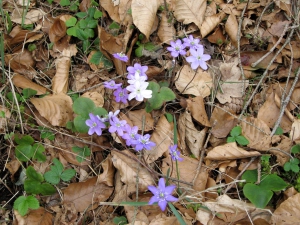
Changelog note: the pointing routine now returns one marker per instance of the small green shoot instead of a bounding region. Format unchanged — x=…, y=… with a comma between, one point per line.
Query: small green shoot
x=23, y=203
x=46, y=133
x=292, y=165
x=235, y=136
x=82, y=153
x=57, y=172
x=120, y=220
x=261, y=194
x=98, y=58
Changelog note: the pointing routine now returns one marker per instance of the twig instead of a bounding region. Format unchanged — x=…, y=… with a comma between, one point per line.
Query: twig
x=272, y=49
x=285, y=102
x=260, y=17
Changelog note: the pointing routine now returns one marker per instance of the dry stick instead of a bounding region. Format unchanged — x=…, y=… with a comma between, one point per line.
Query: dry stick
x=265, y=73
x=240, y=174
x=285, y=102
x=239, y=43
x=272, y=49
x=260, y=17
x=201, y=157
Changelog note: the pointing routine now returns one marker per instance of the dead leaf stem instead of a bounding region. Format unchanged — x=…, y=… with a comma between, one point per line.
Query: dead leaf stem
x=190, y=81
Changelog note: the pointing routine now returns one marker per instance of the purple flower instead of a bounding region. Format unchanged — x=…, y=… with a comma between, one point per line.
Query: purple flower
x=109, y=116
x=177, y=48
x=137, y=69
x=95, y=124
x=121, y=56
x=117, y=125
x=143, y=142
x=162, y=194
x=139, y=91
x=130, y=135
x=111, y=85
x=121, y=95
x=191, y=42
x=198, y=58
x=174, y=153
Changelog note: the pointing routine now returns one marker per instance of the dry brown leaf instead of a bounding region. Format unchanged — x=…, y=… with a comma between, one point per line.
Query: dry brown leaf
x=288, y=212
x=123, y=194
x=22, y=82
x=21, y=62
x=57, y=109
x=112, y=10
x=144, y=14
x=96, y=97
x=35, y=217
x=249, y=57
x=32, y=16
x=295, y=131
x=130, y=168
x=134, y=214
x=168, y=220
x=193, y=138
x=137, y=117
x=163, y=137
x=230, y=151
x=58, y=35
x=63, y=63
x=13, y=166
x=217, y=37
x=197, y=108
x=222, y=122
x=232, y=85
x=211, y=22
x=200, y=86
x=107, y=177
x=166, y=30
x=231, y=28
x=285, y=146
x=190, y=11
x=257, y=133
x=86, y=195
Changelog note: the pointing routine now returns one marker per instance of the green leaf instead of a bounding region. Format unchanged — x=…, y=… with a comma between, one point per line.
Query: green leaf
x=81, y=15
x=31, y=47
x=81, y=34
x=10, y=96
x=82, y=24
x=242, y=140
x=236, y=131
x=92, y=24
x=139, y=51
x=58, y=165
x=257, y=195
x=97, y=14
x=150, y=46
x=64, y=2
x=287, y=166
x=22, y=204
x=279, y=131
x=79, y=123
x=169, y=117
x=47, y=189
x=83, y=106
x=24, y=140
x=295, y=149
x=175, y=212
x=68, y=174
x=81, y=153
x=273, y=182
x=154, y=87
x=167, y=94
x=52, y=177
x=114, y=25
x=99, y=111
x=230, y=139
x=120, y=220
x=90, y=32
x=32, y=186
x=156, y=101
x=98, y=58
x=70, y=125
x=47, y=135
x=33, y=175
x=24, y=152
x=91, y=12
x=74, y=7
x=38, y=150
x=163, y=84
x=295, y=168
x=72, y=31
x=71, y=22
x=250, y=176
x=28, y=92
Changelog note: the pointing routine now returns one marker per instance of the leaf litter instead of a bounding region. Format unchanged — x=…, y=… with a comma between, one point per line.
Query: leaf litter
x=251, y=82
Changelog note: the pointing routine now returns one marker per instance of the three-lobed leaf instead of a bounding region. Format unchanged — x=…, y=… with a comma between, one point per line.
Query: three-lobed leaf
x=242, y=140
x=81, y=153
x=236, y=131
x=23, y=203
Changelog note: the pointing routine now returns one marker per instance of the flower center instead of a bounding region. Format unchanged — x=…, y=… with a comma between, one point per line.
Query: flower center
x=138, y=71
x=121, y=94
x=118, y=124
x=177, y=48
x=94, y=124
x=199, y=57
x=144, y=141
x=161, y=195
x=174, y=154
x=192, y=43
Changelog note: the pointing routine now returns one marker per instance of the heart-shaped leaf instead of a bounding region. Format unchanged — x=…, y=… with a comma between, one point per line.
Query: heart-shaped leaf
x=257, y=195
x=273, y=182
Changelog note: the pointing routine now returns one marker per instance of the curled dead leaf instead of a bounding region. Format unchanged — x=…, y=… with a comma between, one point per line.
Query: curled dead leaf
x=231, y=28
x=210, y=23
x=32, y=16
x=57, y=109
x=166, y=30
x=199, y=86
x=230, y=151
x=197, y=108
x=37, y=216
